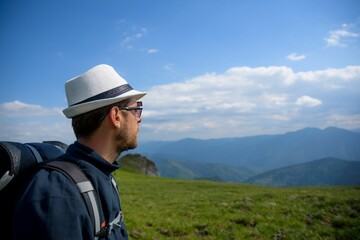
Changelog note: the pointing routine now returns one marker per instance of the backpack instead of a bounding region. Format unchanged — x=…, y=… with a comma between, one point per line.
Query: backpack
x=19, y=161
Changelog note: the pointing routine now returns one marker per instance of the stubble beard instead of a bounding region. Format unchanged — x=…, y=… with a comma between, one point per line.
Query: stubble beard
x=125, y=141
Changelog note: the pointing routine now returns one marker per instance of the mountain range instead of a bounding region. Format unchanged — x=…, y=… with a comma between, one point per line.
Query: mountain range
x=239, y=159
x=321, y=172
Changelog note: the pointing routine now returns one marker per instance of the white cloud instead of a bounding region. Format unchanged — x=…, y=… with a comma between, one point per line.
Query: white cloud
x=169, y=66
x=140, y=33
x=129, y=39
x=295, y=57
x=152, y=50
x=348, y=73
x=243, y=98
x=133, y=39
x=126, y=42
x=23, y=122
x=36, y=131
x=339, y=37
x=264, y=74
x=280, y=117
x=20, y=109
x=348, y=120
x=308, y=101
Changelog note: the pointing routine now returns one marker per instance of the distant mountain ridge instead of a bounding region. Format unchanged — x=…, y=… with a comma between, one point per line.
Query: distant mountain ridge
x=238, y=159
x=204, y=171
x=263, y=152
x=321, y=172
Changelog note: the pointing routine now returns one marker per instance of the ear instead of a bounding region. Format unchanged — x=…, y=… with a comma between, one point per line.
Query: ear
x=115, y=117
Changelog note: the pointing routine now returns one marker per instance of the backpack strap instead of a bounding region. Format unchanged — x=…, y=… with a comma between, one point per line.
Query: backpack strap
x=120, y=216
x=74, y=173
x=37, y=155
x=116, y=223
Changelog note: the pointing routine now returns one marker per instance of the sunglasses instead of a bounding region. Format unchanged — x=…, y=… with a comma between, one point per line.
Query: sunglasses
x=138, y=109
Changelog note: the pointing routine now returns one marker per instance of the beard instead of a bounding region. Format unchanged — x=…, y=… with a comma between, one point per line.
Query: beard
x=126, y=140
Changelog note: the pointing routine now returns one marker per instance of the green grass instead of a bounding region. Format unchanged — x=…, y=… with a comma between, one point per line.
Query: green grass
x=161, y=208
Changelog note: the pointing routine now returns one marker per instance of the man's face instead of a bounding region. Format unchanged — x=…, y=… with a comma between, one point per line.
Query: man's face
x=127, y=136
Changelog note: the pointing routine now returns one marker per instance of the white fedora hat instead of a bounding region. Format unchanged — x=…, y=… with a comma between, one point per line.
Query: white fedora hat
x=98, y=87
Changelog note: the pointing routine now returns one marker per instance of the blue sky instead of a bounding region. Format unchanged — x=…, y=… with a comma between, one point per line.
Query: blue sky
x=212, y=68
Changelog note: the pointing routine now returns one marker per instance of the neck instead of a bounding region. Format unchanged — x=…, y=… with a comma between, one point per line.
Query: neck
x=103, y=146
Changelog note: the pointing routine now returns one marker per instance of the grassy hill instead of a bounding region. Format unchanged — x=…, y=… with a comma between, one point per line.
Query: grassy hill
x=163, y=208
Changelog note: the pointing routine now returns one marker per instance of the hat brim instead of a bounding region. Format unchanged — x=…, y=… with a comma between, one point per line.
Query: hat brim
x=76, y=110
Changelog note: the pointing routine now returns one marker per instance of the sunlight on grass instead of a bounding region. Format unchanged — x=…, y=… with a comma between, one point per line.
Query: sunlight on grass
x=161, y=208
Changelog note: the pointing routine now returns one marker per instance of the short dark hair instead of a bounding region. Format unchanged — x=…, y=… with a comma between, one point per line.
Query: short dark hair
x=86, y=124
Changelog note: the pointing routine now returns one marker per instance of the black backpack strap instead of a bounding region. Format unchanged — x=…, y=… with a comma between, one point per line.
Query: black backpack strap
x=74, y=173
x=37, y=155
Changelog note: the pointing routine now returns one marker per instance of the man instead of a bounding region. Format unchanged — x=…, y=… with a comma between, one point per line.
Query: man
x=105, y=114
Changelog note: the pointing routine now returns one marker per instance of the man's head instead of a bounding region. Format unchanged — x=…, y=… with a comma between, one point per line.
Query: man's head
x=102, y=102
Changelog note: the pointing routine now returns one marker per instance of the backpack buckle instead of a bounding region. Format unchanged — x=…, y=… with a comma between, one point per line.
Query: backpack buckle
x=104, y=232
